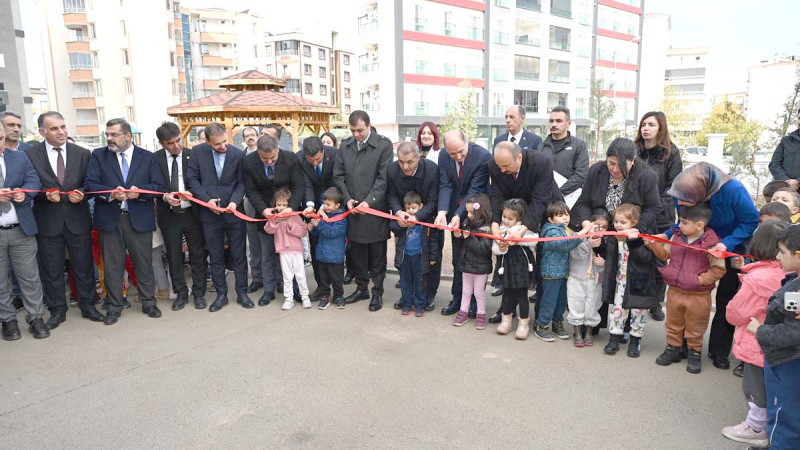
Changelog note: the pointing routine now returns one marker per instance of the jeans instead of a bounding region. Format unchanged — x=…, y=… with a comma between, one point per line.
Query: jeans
x=411, y=283
x=553, y=302
x=783, y=403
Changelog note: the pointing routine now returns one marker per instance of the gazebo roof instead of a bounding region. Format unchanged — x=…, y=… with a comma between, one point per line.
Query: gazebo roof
x=251, y=79
x=251, y=101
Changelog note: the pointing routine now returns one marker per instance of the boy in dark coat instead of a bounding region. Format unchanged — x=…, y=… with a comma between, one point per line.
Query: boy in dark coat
x=330, y=248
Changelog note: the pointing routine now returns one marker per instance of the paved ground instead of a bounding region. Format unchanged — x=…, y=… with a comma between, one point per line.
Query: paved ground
x=266, y=378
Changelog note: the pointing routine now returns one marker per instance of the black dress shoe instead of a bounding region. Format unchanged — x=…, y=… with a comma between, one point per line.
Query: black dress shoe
x=532, y=298
x=11, y=331
x=254, y=286
x=496, y=318
x=199, y=302
x=356, y=296
x=92, y=314
x=348, y=277
x=180, y=302
x=55, y=319
x=431, y=305
x=452, y=307
x=266, y=297
x=219, y=303
x=151, y=311
x=497, y=291
x=376, y=303
x=125, y=302
x=111, y=318
x=244, y=300
x=38, y=329
x=398, y=304
x=721, y=362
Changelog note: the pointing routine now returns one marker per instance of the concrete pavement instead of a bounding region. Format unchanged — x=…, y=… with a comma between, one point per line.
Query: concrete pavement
x=266, y=378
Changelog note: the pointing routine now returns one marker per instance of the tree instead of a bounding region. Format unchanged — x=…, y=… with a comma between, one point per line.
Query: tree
x=601, y=110
x=463, y=116
x=678, y=117
x=788, y=115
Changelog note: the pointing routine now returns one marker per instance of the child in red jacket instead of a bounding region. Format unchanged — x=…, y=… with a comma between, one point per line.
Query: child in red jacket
x=289, y=232
x=759, y=281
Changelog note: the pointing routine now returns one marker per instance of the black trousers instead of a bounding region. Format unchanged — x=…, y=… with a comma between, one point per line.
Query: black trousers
x=312, y=242
x=177, y=226
x=721, y=338
x=368, y=257
x=513, y=297
x=331, y=278
x=215, y=232
x=434, y=275
x=51, y=256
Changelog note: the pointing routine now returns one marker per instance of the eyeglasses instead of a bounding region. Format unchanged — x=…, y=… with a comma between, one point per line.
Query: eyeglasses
x=114, y=135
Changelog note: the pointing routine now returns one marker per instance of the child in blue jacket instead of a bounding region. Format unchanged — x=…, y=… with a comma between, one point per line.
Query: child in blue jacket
x=330, y=248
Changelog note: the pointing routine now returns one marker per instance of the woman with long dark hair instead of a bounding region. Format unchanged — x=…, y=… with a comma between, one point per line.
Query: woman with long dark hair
x=428, y=141
x=329, y=139
x=656, y=148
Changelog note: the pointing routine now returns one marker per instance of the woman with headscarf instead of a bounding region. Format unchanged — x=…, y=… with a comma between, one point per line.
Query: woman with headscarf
x=656, y=148
x=734, y=218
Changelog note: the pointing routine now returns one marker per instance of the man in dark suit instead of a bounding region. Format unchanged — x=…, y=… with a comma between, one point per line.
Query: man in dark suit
x=12, y=124
x=515, y=118
x=63, y=221
x=178, y=218
x=215, y=176
x=266, y=171
x=18, y=244
x=463, y=172
x=412, y=173
x=126, y=221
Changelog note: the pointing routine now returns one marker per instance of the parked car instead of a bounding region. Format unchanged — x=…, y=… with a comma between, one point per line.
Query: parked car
x=699, y=151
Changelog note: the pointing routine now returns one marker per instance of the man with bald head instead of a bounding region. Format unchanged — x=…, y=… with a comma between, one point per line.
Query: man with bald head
x=463, y=172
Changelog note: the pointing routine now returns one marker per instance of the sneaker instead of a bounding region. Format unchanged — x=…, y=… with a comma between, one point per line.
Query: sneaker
x=287, y=304
x=694, y=364
x=460, y=319
x=339, y=302
x=543, y=332
x=559, y=331
x=323, y=303
x=743, y=433
x=670, y=355
x=480, y=322
x=739, y=370
x=419, y=312
x=406, y=311
x=306, y=302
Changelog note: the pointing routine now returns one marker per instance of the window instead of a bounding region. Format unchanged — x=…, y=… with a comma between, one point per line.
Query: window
x=174, y=87
x=449, y=25
x=96, y=60
x=474, y=72
x=131, y=118
x=500, y=38
x=346, y=92
x=74, y=6
x=499, y=74
x=269, y=68
x=101, y=115
x=306, y=69
x=169, y=31
x=80, y=61
x=559, y=71
x=347, y=76
x=347, y=109
x=292, y=86
x=526, y=67
x=308, y=88
x=306, y=50
x=76, y=35
x=255, y=51
x=421, y=67
x=323, y=90
x=127, y=85
x=269, y=50
x=86, y=116
x=535, y=5
x=528, y=100
x=81, y=90
x=556, y=99
x=122, y=28
x=92, y=32
x=321, y=53
x=346, y=60
x=561, y=8
x=172, y=59
x=449, y=70
x=322, y=72
x=125, y=60
x=559, y=38
x=98, y=88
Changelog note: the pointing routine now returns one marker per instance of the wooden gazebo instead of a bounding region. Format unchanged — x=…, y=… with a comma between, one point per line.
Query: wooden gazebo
x=252, y=98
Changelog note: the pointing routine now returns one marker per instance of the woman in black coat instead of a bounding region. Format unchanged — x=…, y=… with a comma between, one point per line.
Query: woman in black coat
x=656, y=148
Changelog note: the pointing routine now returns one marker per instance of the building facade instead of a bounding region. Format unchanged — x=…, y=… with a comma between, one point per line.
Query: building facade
x=769, y=84
x=685, y=75
x=15, y=93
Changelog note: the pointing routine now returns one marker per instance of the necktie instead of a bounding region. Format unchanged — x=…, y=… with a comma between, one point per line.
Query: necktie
x=513, y=139
x=319, y=171
x=460, y=169
x=124, y=167
x=174, y=184
x=359, y=144
x=514, y=176
x=4, y=206
x=60, y=167
x=271, y=173
x=218, y=164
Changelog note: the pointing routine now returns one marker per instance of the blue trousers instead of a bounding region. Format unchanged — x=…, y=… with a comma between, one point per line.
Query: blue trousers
x=411, y=283
x=783, y=404
x=553, y=302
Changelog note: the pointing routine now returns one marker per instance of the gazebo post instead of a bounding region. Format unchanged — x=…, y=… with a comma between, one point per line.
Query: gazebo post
x=295, y=132
x=186, y=129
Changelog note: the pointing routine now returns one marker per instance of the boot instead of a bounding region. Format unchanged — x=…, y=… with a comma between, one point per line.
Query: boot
x=577, y=335
x=670, y=355
x=613, y=344
x=505, y=324
x=588, y=340
x=523, y=328
x=693, y=365
x=633, y=347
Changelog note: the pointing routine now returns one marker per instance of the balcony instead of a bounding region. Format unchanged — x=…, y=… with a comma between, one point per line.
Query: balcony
x=367, y=25
x=287, y=53
x=563, y=46
x=84, y=102
x=372, y=106
x=220, y=38
x=369, y=67
x=527, y=40
x=498, y=111
x=421, y=25
x=533, y=5
x=421, y=108
x=217, y=61
x=526, y=76
x=476, y=34
x=77, y=74
x=449, y=29
x=558, y=78
x=561, y=12
x=76, y=18
x=87, y=130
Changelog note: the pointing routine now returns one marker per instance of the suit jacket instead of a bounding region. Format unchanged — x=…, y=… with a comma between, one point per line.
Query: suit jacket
x=261, y=191
x=314, y=186
x=528, y=141
x=53, y=217
x=424, y=182
x=534, y=185
x=165, y=165
x=20, y=174
x=474, y=179
x=202, y=182
x=104, y=174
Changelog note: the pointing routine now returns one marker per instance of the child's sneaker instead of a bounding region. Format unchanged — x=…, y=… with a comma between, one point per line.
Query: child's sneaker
x=739, y=370
x=460, y=319
x=339, y=302
x=306, y=301
x=419, y=312
x=694, y=364
x=543, y=332
x=670, y=355
x=577, y=335
x=480, y=321
x=323, y=303
x=743, y=433
x=287, y=304
x=559, y=331
x=406, y=311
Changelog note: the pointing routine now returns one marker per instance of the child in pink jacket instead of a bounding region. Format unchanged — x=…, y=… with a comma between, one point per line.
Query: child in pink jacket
x=759, y=281
x=289, y=233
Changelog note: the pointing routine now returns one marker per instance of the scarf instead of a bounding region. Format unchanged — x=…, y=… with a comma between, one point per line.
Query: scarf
x=698, y=183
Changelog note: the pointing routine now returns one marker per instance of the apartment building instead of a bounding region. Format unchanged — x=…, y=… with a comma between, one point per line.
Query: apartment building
x=685, y=73
x=108, y=59
x=313, y=67
x=769, y=84
x=15, y=93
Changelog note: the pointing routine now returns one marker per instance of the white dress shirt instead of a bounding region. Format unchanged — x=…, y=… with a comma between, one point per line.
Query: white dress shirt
x=52, y=156
x=181, y=188
x=516, y=137
x=128, y=157
x=10, y=217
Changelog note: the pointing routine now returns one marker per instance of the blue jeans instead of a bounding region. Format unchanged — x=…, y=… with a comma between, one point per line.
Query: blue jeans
x=553, y=302
x=783, y=403
x=411, y=283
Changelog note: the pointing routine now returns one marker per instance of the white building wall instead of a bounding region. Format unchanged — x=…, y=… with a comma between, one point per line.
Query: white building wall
x=768, y=86
x=655, y=44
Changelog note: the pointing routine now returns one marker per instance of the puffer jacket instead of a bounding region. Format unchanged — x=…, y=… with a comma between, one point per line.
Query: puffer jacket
x=779, y=337
x=666, y=171
x=476, y=252
x=555, y=254
x=685, y=265
x=330, y=248
x=759, y=281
